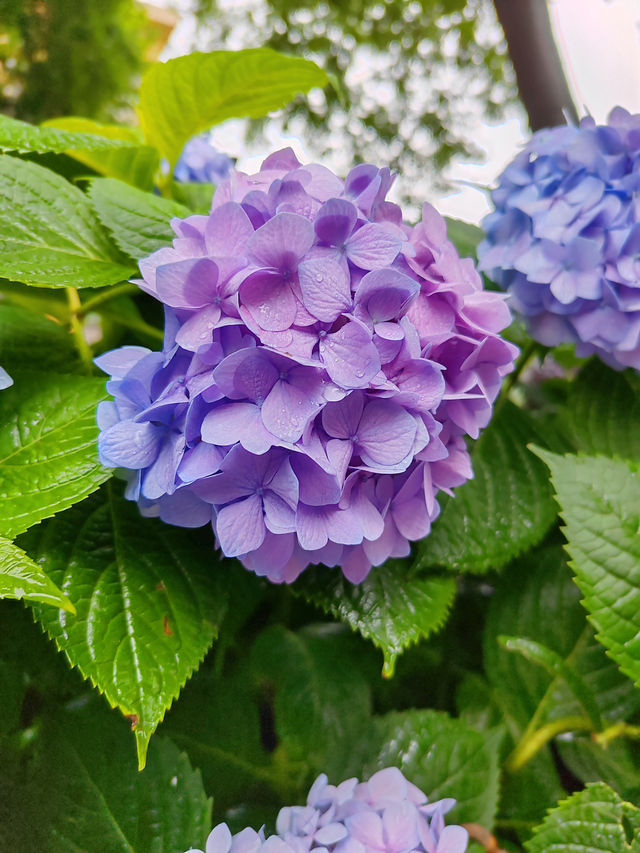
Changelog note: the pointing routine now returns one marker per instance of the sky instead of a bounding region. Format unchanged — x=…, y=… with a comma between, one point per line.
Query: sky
x=599, y=45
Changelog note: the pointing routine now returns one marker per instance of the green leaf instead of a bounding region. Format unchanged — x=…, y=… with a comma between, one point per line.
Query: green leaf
x=444, y=757
x=464, y=236
x=600, y=505
x=48, y=457
x=29, y=338
x=23, y=137
x=138, y=221
x=20, y=577
x=197, y=197
x=147, y=599
x=187, y=95
x=585, y=822
x=49, y=234
x=93, y=798
x=617, y=764
x=503, y=511
x=135, y=164
x=557, y=667
x=391, y=607
x=321, y=696
x=602, y=414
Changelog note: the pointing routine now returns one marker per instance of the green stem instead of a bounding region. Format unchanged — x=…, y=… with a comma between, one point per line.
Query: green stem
x=84, y=350
x=141, y=326
x=124, y=289
x=523, y=360
x=617, y=730
x=531, y=743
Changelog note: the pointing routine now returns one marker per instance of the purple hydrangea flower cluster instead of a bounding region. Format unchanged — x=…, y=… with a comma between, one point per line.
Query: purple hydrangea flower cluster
x=321, y=367
x=201, y=163
x=564, y=239
x=387, y=814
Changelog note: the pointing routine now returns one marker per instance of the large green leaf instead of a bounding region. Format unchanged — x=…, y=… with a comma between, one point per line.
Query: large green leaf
x=138, y=221
x=48, y=457
x=23, y=137
x=49, y=235
x=87, y=795
x=503, y=511
x=444, y=757
x=392, y=607
x=617, y=764
x=20, y=577
x=134, y=162
x=147, y=597
x=321, y=696
x=600, y=504
x=464, y=236
x=31, y=338
x=184, y=96
x=590, y=821
x=602, y=414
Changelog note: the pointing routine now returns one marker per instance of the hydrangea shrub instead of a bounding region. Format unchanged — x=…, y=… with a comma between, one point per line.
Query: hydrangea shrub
x=564, y=239
x=321, y=367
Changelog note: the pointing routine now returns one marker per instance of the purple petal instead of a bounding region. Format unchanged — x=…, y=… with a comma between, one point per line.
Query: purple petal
x=184, y=509
x=284, y=483
x=200, y=461
x=129, y=445
x=335, y=220
x=282, y=241
x=227, y=231
x=317, y=487
x=119, y=362
x=386, y=433
x=453, y=839
x=246, y=374
x=340, y=420
x=366, y=827
x=374, y=246
x=228, y=424
x=197, y=331
x=219, y=840
x=287, y=411
x=350, y=355
x=269, y=299
x=399, y=827
x=326, y=289
x=311, y=527
x=387, y=784
x=187, y=284
x=331, y=833
x=240, y=526
x=278, y=515
x=385, y=294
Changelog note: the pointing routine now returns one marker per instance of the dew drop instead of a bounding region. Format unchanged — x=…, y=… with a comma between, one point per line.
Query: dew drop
x=359, y=373
x=319, y=278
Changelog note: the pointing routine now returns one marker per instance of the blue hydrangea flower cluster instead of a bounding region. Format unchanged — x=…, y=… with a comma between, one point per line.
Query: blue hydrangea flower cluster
x=201, y=163
x=321, y=367
x=387, y=814
x=5, y=380
x=564, y=239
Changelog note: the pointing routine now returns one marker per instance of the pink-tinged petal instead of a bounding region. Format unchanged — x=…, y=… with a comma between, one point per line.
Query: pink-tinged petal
x=311, y=527
x=246, y=374
x=287, y=411
x=278, y=515
x=350, y=356
x=374, y=246
x=282, y=241
x=386, y=433
x=227, y=231
x=385, y=294
x=187, y=284
x=387, y=784
x=129, y=445
x=269, y=299
x=318, y=181
x=219, y=840
x=421, y=384
x=399, y=827
x=240, y=526
x=335, y=221
x=366, y=827
x=284, y=160
x=325, y=287
x=487, y=311
x=331, y=833
x=197, y=331
x=350, y=845
x=340, y=420
x=344, y=527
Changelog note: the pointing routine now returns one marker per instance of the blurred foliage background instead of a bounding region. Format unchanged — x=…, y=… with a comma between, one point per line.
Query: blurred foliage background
x=414, y=78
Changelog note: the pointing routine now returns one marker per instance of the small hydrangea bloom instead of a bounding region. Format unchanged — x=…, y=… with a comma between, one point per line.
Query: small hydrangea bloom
x=201, y=163
x=322, y=364
x=564, y=239
x=5, y=380
x=387, y=814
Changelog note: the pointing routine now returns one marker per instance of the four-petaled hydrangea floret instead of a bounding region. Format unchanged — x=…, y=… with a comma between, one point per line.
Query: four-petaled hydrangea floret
x=387, y=814
x=321, y=367
x=564, y=239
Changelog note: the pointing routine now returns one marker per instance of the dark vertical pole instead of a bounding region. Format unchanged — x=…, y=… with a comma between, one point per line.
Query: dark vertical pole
x=542, y=85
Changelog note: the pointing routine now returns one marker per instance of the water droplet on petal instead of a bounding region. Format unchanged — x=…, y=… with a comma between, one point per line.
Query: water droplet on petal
x=319, y=278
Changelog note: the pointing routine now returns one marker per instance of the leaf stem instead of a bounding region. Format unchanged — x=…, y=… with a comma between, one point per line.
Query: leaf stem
x=124, y=289
x=523, y=360
x=84, y=350
x=614, y=731
x=138, y=325
x=531, y=743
